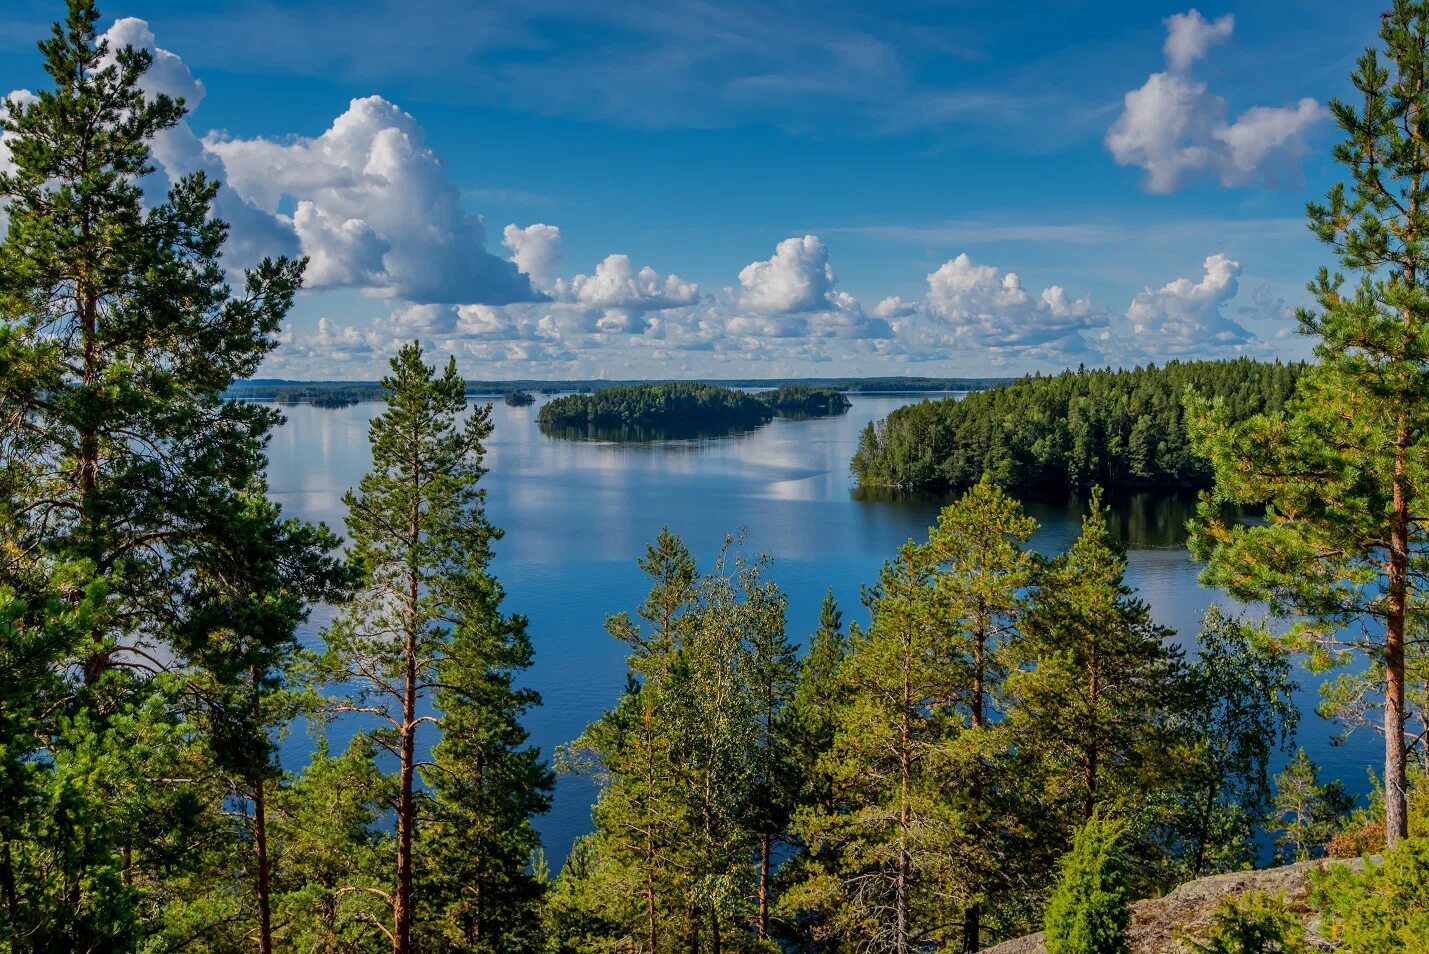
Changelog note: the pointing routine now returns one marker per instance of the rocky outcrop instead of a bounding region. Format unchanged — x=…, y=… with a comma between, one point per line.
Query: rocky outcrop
x=1158, y=925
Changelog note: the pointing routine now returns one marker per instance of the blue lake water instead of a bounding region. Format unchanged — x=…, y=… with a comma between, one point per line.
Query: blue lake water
x=577, y=514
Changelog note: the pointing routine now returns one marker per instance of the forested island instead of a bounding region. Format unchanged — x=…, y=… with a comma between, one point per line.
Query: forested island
x=519, y=398
x=1006, y=741
x=1115, y=428
x=681, y=409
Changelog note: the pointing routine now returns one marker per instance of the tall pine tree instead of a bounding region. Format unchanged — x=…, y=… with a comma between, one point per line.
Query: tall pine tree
x=1342, y=470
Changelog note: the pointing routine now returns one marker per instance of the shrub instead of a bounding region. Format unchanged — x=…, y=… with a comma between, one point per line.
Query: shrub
x=1088, y=911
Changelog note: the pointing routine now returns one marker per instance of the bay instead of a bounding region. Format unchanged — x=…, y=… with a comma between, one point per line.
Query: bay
x=577, y=514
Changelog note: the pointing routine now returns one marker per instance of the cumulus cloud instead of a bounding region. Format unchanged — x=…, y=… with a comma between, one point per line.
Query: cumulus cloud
x=623, y=295
x=254, y=233
x=1175, y=130
x=796, y=279
x=377, y=192
x=536, y=250
x=971, y=307
x=1189, y=36
x=1187, y=317
x=20, y=97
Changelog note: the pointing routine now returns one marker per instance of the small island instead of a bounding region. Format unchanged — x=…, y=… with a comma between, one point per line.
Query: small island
x=803, y=400
x=519, y=398
x=681, y=409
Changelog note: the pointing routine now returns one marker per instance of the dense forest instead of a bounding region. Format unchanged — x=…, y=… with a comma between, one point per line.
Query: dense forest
x=519, y=398
x=1006, y=741
x=1115, y=428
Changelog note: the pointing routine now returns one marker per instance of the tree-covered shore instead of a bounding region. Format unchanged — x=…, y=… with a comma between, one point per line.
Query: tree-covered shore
x=1008, y=739
x=1113, y=428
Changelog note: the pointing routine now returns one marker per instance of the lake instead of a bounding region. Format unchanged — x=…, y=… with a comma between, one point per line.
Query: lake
x=577, y=514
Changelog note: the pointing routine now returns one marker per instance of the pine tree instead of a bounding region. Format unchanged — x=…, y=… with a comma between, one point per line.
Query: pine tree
x=887, y=833
x=1308, y=813
x=123, y=471
x=1098, y=709
x=982, y=578
x=1341, y=472
x=426, y=611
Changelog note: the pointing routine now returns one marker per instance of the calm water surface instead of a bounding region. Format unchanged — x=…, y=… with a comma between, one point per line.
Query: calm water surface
x=577, y=514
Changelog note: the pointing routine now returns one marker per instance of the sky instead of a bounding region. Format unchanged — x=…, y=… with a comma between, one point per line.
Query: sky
x=721, y=188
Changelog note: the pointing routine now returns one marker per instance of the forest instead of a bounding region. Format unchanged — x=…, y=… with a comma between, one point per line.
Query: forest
x=1113, y=428
x=1009, y=742
x=682, y=407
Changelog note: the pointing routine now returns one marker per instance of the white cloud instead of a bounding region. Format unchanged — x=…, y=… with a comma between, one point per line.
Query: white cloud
x=977, y=307
x=623, y=295
x=254, y=233
x=20, y=97
x=373, y=183
x=536, y=250
x=1187, y=317
x=1175, y=130
x=1189, y=36
x=797, y=279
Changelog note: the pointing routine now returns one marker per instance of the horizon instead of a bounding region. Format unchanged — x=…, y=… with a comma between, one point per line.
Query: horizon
x=747, y=192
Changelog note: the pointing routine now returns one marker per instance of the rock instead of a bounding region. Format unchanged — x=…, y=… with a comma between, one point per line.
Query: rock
x=1157, y=924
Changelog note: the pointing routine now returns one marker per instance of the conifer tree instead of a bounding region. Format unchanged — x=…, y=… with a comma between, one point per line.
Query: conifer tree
x=425, y=625
x=1088, y=912
x=1342, y=470
x=1098, y=709
x=1308, y=812
x=982, y=578
x=123, y=471
x=888, y=831
x=478, y=887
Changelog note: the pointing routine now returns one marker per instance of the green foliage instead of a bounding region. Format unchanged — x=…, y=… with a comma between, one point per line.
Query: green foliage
x=1088, y=912
x=1239, y=713
x=1384, y=907
x=1251, y=924
x=1341, y=469
x=644, y=410
x=803, y=400
x=518, y=398
x=1075, y=429
x=1099, y=711
x=1307, y=812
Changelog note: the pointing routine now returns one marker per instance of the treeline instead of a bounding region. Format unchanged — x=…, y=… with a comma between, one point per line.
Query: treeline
x=351, y=392
x=1115, y=428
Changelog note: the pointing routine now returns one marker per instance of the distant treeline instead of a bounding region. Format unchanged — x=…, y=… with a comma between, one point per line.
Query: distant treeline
x=1114, y=428
x=341, y=393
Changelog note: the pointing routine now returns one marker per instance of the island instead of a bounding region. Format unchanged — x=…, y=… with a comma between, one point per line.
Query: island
x=519, y=398
x=1115, y=428
x=803, y=400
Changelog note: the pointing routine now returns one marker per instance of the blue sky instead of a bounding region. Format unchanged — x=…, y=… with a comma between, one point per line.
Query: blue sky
x=732, y=189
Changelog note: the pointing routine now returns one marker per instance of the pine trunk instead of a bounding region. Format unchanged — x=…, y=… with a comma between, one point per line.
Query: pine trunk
x=1396, y=815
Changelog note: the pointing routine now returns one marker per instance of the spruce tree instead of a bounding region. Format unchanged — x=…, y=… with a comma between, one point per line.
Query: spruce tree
x=425, y=628
x=1342, y=470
